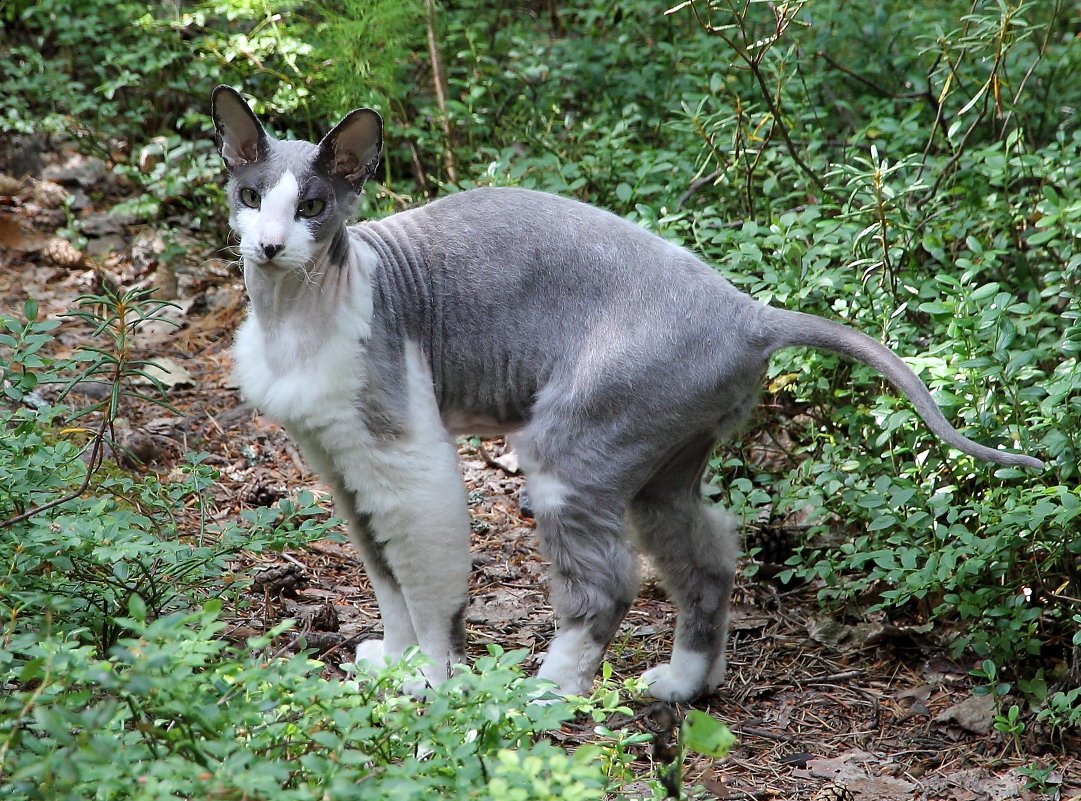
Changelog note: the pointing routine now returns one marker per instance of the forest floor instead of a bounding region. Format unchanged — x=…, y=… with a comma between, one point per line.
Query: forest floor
x=824, y=707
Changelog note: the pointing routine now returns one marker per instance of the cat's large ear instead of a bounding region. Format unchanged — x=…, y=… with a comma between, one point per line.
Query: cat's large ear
x=352, y=149
x=240, y=137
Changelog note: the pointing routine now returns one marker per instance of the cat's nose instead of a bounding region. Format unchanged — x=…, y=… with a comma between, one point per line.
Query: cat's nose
x=270, y=251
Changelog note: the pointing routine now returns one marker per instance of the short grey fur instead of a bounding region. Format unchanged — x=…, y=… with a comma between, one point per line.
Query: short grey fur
x=615, y=359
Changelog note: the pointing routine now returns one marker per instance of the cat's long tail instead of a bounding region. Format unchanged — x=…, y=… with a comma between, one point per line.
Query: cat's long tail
x=794, y=329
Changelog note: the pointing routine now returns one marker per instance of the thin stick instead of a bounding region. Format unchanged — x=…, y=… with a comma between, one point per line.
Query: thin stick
x=439, y=79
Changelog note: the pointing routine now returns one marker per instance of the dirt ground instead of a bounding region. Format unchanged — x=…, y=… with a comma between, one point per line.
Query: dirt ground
x=824, y=708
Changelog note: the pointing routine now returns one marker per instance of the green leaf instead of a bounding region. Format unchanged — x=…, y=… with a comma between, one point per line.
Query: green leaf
x=137, y=608
x=884, y=521
x=706, y=735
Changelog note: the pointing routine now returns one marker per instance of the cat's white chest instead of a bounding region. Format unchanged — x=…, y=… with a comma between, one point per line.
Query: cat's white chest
x=295, y=380
x=300, y=354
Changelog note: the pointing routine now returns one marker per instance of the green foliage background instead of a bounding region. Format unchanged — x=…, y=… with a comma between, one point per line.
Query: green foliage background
x=912, y=169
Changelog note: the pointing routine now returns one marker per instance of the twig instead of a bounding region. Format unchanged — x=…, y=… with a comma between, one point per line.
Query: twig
x=867, y=81
x=492, y=462
x=1035, y=62
x=697, y=184
x=754, y=63
x=768, y=735
x=827, y=679
x=439, y=79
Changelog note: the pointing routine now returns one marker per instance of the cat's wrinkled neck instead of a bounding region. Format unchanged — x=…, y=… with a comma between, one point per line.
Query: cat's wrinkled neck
x=307, y=301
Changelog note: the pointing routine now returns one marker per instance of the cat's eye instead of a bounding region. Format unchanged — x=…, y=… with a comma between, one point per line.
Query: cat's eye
x=249, y=197
x=311, y=207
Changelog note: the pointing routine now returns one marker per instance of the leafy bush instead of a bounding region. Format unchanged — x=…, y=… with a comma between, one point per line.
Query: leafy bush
x=130, y=82
x=931, y=235
x=173, y=711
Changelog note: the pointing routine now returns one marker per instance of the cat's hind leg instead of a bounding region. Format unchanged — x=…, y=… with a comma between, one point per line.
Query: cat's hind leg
x=594, y=579
x=694, y=548
x=594, y=575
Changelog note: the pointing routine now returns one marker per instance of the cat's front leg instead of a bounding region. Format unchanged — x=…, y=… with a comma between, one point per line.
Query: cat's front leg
x=415, y=545
x=398, y=632
x=406, y=509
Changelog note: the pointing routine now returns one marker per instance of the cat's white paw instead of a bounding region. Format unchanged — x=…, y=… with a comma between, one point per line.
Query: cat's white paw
x=371, y=651
x=572, y=660
x=371, y=658
x=667, y=684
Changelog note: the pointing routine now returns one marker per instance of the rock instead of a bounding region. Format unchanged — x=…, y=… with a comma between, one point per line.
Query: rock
x=103, y=223
x=21, y=155
x=85, y=171
x=975, y=714
x=137, y=449
x=167, y=372
x=100, y=247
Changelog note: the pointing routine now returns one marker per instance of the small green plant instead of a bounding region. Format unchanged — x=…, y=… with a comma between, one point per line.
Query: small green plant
x=1062, y=711
x=1007, y=721
x=1041, y=778
x=21, y=341
x=112, y=317
x=701, y=733
x=616, y=745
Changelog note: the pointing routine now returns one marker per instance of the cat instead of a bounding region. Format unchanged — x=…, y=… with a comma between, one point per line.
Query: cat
x=615, y=359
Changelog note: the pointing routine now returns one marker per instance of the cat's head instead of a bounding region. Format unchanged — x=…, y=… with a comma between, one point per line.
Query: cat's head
x=288, y=199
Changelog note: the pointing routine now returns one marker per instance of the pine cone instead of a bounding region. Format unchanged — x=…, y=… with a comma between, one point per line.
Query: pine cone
x=61, y=252
x=258, y=492
x=320, y=641
x=277, y=580
x=776, y=543
x=49, y=195
x=326, y=618
x=833, y=792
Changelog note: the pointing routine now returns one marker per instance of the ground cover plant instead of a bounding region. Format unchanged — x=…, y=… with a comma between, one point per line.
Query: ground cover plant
x=913, y=171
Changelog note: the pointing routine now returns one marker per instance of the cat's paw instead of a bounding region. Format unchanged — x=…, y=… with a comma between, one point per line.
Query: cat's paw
x=667, y=684
x=372, y=653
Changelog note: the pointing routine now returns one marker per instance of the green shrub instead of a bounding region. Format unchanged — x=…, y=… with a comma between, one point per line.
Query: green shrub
x=173, y=711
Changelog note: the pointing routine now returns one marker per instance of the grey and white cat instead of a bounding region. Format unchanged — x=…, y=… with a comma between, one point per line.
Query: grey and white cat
x=616, y=360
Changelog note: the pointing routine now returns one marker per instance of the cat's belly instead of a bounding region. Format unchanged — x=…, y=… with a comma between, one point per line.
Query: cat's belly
x=465, y=424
